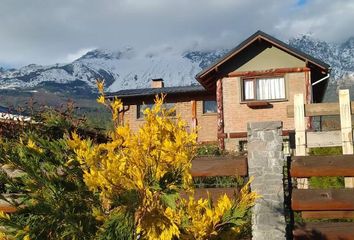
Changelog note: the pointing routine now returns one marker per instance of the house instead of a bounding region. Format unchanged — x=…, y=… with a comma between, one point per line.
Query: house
x=195, y=104
x=7, y=114
x=255, y=81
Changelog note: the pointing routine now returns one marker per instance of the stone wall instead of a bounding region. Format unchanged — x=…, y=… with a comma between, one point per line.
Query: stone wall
x=265, y=162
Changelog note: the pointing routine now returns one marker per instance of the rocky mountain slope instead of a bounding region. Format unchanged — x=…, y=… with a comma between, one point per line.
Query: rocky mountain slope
x=131, y=69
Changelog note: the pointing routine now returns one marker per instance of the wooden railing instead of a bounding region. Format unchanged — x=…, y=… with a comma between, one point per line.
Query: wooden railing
x=218, y=166
x=323, y=203
x=305, y=139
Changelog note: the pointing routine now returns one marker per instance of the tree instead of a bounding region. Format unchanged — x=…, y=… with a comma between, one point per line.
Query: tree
x=142, y=174
x=48, y=190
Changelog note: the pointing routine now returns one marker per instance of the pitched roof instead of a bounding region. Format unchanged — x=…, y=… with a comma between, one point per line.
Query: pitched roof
x=272, y=40
x=153, y=91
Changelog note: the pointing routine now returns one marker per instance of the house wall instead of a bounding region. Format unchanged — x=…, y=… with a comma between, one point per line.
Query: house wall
x=207, y=123
x=270, y=58
x=238, y=114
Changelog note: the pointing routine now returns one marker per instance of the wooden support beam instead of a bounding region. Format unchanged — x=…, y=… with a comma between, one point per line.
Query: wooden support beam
x=308, y=96
x=322, y=199
x=194, y=115
x=323, y=139
x=238, y=135
x=269, y=72
x=324, y=231
x=318, y=109
x=300, y=134
x=322, y=166
x=346, y=128
x=219, y=166
x=220, y=113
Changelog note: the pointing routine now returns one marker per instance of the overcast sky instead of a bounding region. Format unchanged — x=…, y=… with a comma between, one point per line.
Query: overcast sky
x=51, y=31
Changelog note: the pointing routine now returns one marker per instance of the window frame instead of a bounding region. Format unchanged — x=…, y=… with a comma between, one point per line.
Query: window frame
x=209, y=113
x=255, y=80
x=140, y=116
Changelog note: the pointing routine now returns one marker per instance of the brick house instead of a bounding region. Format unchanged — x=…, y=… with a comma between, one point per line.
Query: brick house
x=255, y=81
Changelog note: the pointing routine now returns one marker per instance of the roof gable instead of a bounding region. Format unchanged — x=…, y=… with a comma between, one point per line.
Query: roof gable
x=213, y=70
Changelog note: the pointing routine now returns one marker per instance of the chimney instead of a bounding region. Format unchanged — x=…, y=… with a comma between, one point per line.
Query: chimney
x=157, y=83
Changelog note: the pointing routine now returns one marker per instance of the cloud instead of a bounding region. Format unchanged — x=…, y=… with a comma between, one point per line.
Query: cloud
x=326, y=20
x=45, y=32
x=73, y=56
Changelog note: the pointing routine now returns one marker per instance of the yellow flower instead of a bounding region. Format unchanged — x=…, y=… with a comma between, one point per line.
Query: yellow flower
x=100, y=86
x=4, y=215
x=32, y=145
x=101, y=99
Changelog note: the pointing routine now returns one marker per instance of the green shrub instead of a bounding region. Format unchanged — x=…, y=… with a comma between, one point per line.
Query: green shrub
x=218, y=182
x=50, y=195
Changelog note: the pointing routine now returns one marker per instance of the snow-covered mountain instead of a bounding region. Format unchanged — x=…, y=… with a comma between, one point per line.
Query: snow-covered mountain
x=129, y=68
x=120, y=70
x=339, y=55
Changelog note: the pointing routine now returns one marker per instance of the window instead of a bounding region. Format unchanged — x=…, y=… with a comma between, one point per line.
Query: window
x=141, y=108
x=169, y=106
x=209, y=106
x=263, y=89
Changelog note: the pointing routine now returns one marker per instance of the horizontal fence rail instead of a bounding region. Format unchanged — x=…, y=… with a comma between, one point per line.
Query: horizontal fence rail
x=323, y=203
x=322, y=199
x=322, y=166
x=323, y=139
x=212, y=166
x=318, y=109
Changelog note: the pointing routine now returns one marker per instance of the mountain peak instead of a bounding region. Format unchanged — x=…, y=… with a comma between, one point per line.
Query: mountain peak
x=100, y=54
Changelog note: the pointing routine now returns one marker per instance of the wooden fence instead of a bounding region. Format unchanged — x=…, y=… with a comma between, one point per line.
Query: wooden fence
x=323, y=203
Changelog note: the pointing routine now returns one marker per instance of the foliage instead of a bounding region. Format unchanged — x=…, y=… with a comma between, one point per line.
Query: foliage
x=326, y=151
x=224, y=220
x=326, y=182
x=45, y=184
x=208, y=149
x=118, y=225
x=124, y=186
x=142, y=175
x=215, y=182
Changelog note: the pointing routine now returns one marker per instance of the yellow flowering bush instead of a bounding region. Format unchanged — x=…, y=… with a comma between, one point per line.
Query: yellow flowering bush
x=143, y=174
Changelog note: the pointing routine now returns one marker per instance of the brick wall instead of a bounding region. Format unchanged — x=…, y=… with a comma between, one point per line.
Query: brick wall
x=237, y=114
x=207, y=128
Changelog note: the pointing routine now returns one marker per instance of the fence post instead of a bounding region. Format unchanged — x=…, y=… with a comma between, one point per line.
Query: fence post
x=300, y=133
x=265, y=163
x=346, y=128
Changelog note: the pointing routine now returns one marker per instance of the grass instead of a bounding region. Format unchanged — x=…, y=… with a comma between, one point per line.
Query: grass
x=326, y=182
x=208, y=150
